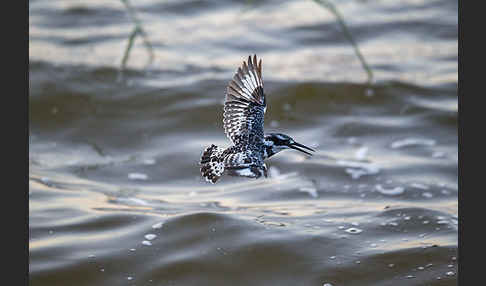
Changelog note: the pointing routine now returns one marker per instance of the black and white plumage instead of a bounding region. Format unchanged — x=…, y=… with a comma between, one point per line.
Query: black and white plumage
x=244, y=111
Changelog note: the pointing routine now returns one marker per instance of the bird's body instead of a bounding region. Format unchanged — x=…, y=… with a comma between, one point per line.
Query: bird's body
x=244, y=111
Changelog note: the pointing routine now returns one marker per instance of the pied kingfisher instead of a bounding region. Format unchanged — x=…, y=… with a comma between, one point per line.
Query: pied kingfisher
x=244, y=109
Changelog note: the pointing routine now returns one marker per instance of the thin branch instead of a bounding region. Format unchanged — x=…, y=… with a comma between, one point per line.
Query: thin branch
x=138, y=30
x=328, y=5
x=128, y=48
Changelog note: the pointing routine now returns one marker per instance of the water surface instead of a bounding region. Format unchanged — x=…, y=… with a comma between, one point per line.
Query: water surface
x=115, y=194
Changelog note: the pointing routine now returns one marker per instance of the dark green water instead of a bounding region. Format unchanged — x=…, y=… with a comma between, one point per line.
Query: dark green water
x=114, y=160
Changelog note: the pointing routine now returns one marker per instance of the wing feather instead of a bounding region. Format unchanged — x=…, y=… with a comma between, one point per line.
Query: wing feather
x=245, y=104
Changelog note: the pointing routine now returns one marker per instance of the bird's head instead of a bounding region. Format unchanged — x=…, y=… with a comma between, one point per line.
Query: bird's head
x=276, y=142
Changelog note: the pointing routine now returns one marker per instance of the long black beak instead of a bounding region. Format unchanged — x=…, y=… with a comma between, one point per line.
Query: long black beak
x=296, y=146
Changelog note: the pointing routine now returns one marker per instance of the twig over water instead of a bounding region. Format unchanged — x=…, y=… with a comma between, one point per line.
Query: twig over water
x=137, y=30
x=328, y=5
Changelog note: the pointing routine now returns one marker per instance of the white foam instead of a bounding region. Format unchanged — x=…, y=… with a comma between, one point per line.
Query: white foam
x=149, y=161
x=438, y=154
x=132, y=201
x=390, y=192
x=137, y=176
x=150, y=236
x=412, y=142
x=445, y=192
x=361, y=153
x=420, y=186
x=310, y=190
x=355, y=173
x=357, y=169
x=427, y=195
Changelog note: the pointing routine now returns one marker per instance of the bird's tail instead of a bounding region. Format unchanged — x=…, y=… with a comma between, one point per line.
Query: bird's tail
x=212, y=167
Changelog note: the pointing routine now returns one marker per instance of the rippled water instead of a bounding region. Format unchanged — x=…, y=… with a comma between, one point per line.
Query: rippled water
x=115, y=194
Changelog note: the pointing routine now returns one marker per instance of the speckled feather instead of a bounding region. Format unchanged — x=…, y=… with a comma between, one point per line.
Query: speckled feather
x=245, y=105
x=244, y=111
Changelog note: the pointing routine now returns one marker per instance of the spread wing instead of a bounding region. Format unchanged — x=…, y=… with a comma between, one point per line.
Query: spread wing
x=245, y=104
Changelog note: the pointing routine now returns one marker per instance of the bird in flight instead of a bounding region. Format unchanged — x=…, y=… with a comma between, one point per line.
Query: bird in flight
x=244, y=110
